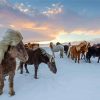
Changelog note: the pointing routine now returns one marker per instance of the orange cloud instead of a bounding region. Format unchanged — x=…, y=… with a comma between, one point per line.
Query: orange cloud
x=28, y=25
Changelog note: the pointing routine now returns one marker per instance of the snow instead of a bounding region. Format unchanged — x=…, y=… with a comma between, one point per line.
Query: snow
x=73, y=81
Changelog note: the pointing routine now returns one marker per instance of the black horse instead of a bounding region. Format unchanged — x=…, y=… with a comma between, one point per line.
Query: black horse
x=36, y=57
x=66, y=47
x=93, y=51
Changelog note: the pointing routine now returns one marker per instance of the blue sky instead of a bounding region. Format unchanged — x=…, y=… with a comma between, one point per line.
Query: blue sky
x=51, y=20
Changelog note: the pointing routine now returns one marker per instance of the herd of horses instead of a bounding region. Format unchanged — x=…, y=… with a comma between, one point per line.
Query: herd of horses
x=83, y=50
x=33, y=54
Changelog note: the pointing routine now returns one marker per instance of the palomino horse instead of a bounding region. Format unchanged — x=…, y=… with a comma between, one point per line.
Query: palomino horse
x=76, y=50
x=8, y=65
x=84, y=50
x=57, y=48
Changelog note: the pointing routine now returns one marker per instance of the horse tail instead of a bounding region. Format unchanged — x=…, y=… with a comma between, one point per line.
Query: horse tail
x=68, y=53
x=19, y=66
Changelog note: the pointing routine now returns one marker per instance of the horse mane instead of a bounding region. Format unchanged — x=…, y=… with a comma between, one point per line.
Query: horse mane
x=82, y=44
x=7, y=51
x=44, y=52
x=12, y=38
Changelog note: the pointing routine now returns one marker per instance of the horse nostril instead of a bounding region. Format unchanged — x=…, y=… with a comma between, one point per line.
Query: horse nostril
x=55, y=71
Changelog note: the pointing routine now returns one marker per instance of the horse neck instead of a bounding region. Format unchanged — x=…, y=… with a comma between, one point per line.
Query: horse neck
x=80, y=45
x=8, y=54
x=52, y=46
x=45, y=58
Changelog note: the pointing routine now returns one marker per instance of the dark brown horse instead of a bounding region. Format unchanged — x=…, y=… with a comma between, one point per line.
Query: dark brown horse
x=8, y=65
x=36, y=57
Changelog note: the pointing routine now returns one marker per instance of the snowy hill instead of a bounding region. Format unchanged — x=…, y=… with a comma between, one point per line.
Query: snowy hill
x=72, y=82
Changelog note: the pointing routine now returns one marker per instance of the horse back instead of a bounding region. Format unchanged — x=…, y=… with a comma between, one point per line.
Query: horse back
x=93, y=51
x=34, y=57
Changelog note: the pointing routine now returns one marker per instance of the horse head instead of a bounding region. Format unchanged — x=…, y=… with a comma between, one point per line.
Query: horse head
x=52, y=65
x=49, y=60
x=82, y=46
x=51, y=45
x=19, y=52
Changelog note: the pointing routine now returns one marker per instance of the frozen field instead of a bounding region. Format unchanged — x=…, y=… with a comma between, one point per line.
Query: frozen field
x=72, y=82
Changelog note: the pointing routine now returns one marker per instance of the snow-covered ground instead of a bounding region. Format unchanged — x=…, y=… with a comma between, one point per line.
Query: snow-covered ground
x=72, y=82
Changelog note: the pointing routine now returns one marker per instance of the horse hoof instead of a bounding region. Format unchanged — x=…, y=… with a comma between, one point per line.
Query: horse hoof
x=1, y=92
x=21, y=72
x=27, y=72
x=12, y=93
x=36, y=77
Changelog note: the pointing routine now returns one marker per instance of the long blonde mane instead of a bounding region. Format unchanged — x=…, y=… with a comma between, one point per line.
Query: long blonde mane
x=12, y=38
x=78, y=47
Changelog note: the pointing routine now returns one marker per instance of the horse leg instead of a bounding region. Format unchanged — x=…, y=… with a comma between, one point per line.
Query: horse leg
x=36, y=69
x=1, y=83
x=89, y=60
x=11, y=87
x=98, y=59
x=78, y=57
x=21, y=68
x=26, y=68
x=68, y=55
x=53, y=54
x=75, y=58
x=72, y=56
x=61, y=54
x=82, y=56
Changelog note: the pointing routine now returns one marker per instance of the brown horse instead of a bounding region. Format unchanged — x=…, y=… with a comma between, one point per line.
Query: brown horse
x=32, y=45
x=84, y=50
x=76, y=50
x=8, y=65
x=36, y=57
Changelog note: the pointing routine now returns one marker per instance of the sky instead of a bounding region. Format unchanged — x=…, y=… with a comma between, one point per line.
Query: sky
x=51, y=20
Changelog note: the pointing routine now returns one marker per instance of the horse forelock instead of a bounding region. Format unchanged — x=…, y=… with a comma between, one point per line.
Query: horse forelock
x=12, y=37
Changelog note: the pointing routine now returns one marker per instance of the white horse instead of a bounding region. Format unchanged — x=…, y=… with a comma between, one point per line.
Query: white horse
x=57, y=48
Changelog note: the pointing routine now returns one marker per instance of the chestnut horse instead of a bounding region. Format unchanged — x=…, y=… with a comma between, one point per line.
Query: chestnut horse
x=76, y=50
x=8, y=65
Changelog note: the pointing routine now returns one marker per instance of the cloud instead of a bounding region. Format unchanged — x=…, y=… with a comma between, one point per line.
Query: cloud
x=55, y=9
x=47, y=23
x=26, y=9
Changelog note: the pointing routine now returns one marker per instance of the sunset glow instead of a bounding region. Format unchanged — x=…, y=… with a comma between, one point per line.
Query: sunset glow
x=44, y=21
